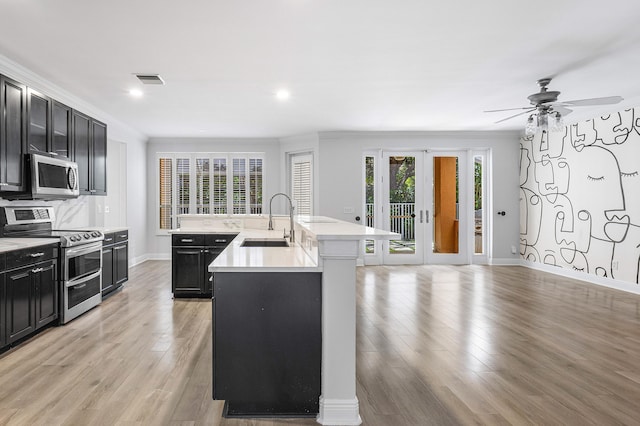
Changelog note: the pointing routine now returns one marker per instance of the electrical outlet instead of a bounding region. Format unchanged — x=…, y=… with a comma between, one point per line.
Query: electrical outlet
x=513, y=250
x=347, y=210
x=614, y=265
x=106, y=209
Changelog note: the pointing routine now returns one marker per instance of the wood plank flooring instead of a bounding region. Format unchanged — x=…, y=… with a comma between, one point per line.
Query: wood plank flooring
x=436, y=345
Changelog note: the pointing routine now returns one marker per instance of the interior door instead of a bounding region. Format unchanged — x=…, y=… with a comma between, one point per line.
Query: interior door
x=403, y=198
x=447, y=213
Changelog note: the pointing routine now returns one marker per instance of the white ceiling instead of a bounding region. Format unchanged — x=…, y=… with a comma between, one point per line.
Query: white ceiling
x=349, y=64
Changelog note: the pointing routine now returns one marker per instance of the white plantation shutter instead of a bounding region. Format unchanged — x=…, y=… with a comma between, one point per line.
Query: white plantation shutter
x=219, y=185
x=255, y=185
x=166, y=193
x=302, y=183
x=203, y=183
x=239, y=186
x=203, y=198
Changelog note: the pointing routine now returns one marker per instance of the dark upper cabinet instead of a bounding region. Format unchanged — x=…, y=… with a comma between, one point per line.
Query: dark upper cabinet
x=38, y=122
x=82, y=149
x=13, y=97
x=90, y=146
x=98, y=159
x=61, y=129
x=49, y=125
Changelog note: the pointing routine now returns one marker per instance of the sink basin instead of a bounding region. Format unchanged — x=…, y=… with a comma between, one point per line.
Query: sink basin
x=264, y=242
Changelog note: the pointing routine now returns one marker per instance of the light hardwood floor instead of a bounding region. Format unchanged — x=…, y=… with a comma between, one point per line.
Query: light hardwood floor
x=440, y=345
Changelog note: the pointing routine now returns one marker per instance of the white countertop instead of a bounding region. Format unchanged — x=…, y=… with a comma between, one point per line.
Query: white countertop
x=262, y=259
x=283, y=259
x=11, y=244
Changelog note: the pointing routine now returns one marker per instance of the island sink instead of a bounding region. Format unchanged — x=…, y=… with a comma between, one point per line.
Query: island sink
x=264, y=242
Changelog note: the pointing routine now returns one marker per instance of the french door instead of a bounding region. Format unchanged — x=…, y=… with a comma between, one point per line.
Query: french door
x=425, y=197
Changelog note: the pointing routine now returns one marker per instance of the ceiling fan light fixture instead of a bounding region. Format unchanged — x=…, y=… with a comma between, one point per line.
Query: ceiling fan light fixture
x=557, y=123
x=530, y=128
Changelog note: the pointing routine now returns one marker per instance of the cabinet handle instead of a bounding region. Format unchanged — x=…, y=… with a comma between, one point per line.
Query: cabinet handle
x=187, y=240
x=35, y=271
x=119, y=248
x=36, y=254
x=221, y=241
x=80, y=286
x=123, y=236
x=52, y=153
x=206, y=251
x=92, y=191
x=4, y=184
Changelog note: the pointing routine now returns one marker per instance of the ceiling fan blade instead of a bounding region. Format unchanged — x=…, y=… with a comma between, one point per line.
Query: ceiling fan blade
x=594, y=101
x=515, y=115
x=508, y=109
x=562, y=109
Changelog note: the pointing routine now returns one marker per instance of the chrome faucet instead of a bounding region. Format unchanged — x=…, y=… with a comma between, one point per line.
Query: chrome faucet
x=292, y=237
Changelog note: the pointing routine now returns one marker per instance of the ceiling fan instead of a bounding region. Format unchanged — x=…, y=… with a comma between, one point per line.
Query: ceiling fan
x=545, y=104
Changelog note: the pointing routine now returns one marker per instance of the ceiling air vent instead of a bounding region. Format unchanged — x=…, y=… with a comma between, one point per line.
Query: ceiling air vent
x=150, y=78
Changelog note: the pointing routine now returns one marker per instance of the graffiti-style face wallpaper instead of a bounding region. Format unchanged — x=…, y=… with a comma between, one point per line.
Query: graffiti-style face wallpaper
x=580, y=197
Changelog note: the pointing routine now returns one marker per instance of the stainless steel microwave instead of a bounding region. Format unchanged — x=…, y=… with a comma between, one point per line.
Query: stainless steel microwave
x=53, y=178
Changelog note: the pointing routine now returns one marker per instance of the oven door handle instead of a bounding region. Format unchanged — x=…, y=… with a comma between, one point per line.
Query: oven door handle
x=82, y=250
x=83, y=279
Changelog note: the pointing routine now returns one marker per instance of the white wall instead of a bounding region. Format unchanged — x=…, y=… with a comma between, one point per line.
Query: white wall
x=159, y=244
x=341, y=173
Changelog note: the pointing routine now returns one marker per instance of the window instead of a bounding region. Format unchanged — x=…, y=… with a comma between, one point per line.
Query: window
x=201, y=183
x=302, y=183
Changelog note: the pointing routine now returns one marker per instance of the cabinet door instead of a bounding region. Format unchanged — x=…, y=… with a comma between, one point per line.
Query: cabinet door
x=210, y=255
x=13, y=109
x=107, y=269
x=38, y=122
x=46, y=293
x=186, y=270
x=20, y=304
x=98, y=162
x=3, y=302
x=82, y=149
x=61, y=125
x=120, y=263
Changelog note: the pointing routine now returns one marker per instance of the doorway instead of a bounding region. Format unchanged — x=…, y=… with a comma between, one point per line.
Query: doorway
x=431, y=199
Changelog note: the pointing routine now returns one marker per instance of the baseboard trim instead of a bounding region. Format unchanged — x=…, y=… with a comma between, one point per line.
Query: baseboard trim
x=505, y=261
x=339, y=412
x=582, y=276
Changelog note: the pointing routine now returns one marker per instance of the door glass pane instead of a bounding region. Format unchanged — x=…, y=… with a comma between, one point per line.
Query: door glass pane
x=369, y=171
x=219, y=187
x=402, y=203
x=477, y=184
x=445, y=205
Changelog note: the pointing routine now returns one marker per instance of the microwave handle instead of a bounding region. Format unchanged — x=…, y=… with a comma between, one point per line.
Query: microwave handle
x=72, y=178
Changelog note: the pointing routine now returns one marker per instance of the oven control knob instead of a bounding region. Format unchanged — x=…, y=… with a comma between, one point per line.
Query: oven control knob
x=74, y=238
x=87, y=236
x=95, y=234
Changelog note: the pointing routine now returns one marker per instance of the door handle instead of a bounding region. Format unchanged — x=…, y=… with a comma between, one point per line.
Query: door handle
x=421, y=218
x=427, y=215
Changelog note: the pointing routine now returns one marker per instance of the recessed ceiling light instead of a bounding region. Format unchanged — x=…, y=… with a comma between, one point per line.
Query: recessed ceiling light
x=136, y=93
x=283, y=95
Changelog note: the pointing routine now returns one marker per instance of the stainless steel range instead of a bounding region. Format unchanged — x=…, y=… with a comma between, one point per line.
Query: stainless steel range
x=80, y=272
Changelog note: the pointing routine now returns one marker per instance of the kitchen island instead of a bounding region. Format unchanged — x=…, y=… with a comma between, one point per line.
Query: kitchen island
x=326, y=246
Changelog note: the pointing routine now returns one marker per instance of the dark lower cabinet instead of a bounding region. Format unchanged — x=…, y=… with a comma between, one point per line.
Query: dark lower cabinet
x=267, y=342
x=3, y=298
x=191, y=255
x=31, y=299
x=115, y=261
x=46, y=294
